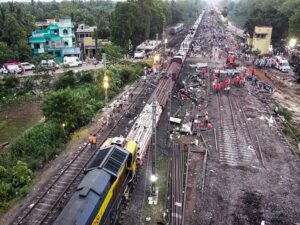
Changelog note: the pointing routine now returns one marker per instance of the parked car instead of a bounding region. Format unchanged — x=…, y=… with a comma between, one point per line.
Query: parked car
x=72, y=61
x=27, y=66
x=281, y=64
x=3, y=70
x=139, y=54
x=49, y=64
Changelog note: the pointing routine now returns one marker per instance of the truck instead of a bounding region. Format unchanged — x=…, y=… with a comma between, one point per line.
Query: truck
x=13, y=67
x=72, y=61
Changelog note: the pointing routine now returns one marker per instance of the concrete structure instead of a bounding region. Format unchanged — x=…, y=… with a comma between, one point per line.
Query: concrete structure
x=55, y=37
x=149, y=46
x=84, y=31
x=261, y=39
x=89, y=45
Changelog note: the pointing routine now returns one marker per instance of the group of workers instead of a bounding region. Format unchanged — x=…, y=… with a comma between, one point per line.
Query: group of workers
x=206, y=124
x=219, y=83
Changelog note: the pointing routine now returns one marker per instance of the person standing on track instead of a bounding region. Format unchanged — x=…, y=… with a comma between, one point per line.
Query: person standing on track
x=91, y=140
x=94, y=141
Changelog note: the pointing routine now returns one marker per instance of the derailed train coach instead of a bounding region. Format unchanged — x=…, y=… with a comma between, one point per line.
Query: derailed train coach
x=107, y=180
x=141, y=131
x=110, y=173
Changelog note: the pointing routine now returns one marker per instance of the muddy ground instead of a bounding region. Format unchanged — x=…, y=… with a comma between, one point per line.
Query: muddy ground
x=249, y=194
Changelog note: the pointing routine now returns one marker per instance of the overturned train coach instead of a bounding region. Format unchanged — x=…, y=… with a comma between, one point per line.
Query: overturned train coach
x=106, y=181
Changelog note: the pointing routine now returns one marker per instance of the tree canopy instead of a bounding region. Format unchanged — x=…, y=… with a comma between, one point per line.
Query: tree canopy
x=282, y=15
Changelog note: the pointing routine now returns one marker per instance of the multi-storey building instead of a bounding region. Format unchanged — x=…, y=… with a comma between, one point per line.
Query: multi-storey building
x=55, y=37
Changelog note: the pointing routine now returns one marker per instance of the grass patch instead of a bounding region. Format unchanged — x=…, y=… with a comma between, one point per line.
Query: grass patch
x=12, y=100
x=287, y=114
x=289, y=130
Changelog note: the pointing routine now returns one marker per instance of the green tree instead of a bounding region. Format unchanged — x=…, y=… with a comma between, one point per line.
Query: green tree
x=21, y=174
x=294, y=24
x=67, y=80
x=5, y=53
x=63, y=107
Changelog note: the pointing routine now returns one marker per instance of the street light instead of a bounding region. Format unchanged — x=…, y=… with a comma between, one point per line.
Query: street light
x=292, y=42
x=106, y=86
x=156, y=61
x=166, y=42
x=156, y=58
x=153, y=178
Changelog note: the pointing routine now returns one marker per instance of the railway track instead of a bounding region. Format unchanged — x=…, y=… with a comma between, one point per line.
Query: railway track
x=48, y=202
x=234, y=139
x=176, y=176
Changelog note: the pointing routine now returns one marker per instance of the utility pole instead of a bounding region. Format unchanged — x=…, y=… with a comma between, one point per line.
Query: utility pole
x=154, y=176
x=169, y=118
x=105, y=79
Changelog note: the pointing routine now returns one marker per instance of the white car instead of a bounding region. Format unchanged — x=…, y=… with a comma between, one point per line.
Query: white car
x=27, y=66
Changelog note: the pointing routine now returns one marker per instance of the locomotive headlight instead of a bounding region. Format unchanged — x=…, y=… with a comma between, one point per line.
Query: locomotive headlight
x=153, y=178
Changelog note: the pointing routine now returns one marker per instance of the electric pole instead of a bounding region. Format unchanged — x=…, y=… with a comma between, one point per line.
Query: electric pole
x=154, y=176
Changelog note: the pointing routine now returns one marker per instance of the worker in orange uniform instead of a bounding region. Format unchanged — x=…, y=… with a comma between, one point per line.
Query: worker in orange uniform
x=94, y=141
x=91, y=140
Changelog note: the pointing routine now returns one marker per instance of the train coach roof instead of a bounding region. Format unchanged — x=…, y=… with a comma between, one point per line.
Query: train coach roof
x=84, y=203
x=174, y=68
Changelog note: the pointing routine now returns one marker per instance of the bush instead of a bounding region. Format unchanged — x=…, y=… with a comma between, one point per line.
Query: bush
x=28, y=85
x=86, y=77
x=10, y=81
x=38, y=145
x=67, y=80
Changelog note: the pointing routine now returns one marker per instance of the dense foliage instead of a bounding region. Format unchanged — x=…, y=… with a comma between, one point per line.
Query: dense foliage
x=142, y=19
x=122, y=22
x=282, y=15
x=16, y=24
x=74, y=103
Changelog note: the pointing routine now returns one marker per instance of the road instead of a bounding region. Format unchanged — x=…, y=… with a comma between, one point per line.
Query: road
x=84, y=67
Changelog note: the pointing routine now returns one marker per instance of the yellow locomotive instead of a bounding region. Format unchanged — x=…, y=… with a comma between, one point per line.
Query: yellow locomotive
x=107, y=179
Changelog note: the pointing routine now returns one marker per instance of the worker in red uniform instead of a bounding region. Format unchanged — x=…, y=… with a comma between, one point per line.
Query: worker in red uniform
x=217, y=88
x=237, y=80
x=253, y=71
x=221, y=84
x=227, y=81
x=209, y=126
